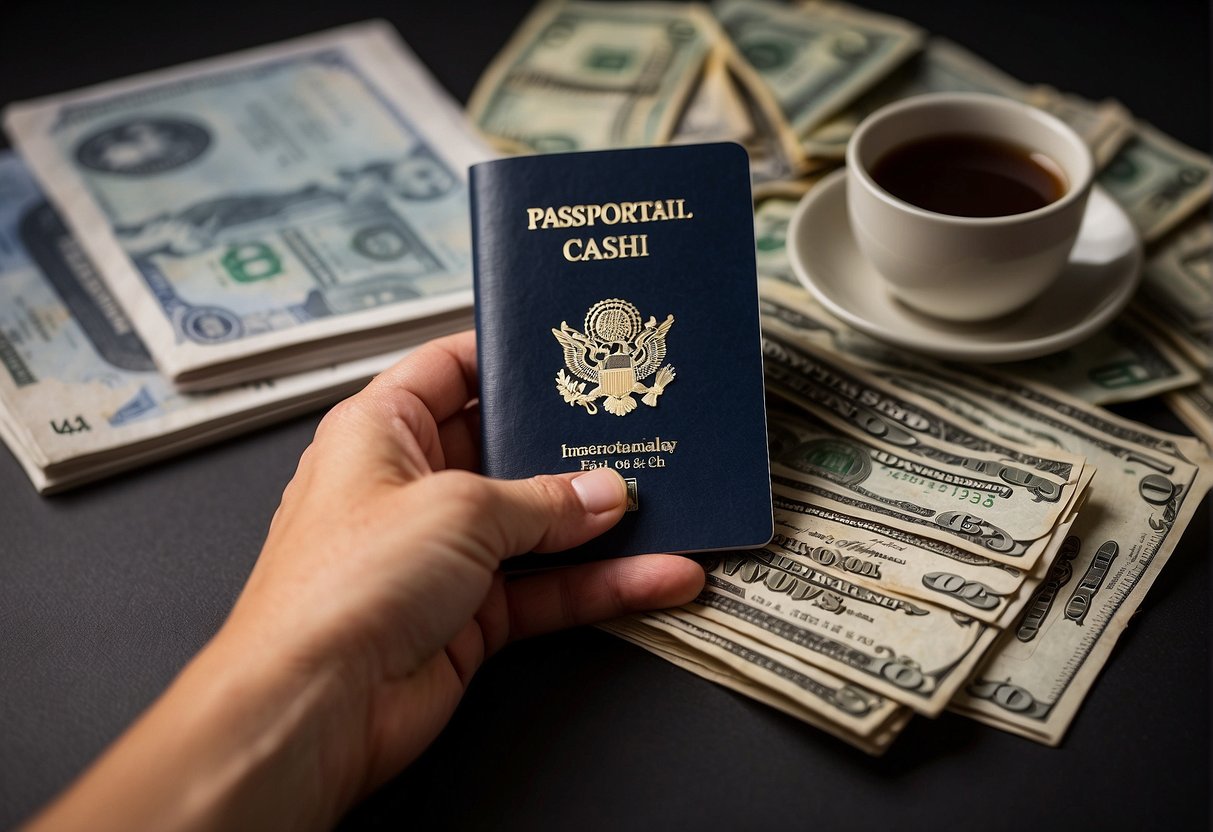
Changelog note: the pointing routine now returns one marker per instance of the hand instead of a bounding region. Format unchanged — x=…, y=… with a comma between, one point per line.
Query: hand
x=376, y=597
x=384, y=556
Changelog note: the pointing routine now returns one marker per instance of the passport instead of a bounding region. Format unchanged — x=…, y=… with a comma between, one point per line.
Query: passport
x=617, y=325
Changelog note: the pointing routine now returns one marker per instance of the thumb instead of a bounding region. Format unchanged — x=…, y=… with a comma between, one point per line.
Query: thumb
x=546, y=513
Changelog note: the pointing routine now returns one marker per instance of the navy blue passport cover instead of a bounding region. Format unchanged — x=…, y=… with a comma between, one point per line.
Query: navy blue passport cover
x=631, y=342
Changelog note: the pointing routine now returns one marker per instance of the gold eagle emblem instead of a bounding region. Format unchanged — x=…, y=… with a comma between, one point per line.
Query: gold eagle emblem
x=616, y=353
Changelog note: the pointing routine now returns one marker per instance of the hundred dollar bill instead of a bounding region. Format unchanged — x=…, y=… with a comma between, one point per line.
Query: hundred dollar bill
x=1196, y=348
x=790, y=190
x=855, y=715
x=1104, y=125
x=994, y=508
x=860, y=404
x=1194, y=406
x=1177, y=280
x=79, y=395
x=717, y=112
x=913, y=652
x=896, y=561
x=945, y=67
x=1125, y=361
x=1177, y=290
x=771, y=217
x=1039, y=674
x=268, y=211
x=972, y=508
x=1157, y=180
x=765, y=145
x=1149, y=485
x=583, y=75
x=804, y=63
x=942, y=66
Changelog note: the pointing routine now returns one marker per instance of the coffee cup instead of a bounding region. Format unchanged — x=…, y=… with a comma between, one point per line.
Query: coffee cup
x=965, y=152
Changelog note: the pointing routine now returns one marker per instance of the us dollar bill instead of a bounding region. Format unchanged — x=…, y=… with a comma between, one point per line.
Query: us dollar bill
x=1177, y=279
x=943, y=66
x=717, y=112
x=1176, y=296
x=771, y=217
x=1150, y=484
x=1127, y=360
x=268, y=211
x=894, y=560
x=778, y=679
x=80, y=396
x=1039, y=674
x=583, y=76
x=861, y=404
x=806, y=62
x=1157, y=180
x=1194, y=406
x=978, y=509
x=1104, y=125
x=913, y=652
x=1196, y=348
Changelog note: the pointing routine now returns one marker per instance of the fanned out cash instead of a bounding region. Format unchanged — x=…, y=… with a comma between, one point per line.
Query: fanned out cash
x=1148, y=486
x=79, y=395
x=270, y=211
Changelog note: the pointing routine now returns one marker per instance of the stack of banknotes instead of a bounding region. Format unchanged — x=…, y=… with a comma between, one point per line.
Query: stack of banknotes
x=200, y=250
x=205, y=249
x=947, y=537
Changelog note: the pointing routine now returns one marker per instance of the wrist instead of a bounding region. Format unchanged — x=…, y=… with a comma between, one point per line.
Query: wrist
x=245, y=737
x=276, y=722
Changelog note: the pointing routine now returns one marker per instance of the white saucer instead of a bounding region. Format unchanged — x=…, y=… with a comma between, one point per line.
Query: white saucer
x=1100, y=278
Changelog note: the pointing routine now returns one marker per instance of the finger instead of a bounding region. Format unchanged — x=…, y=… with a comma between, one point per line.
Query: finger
x=599, y=591
x=442, y=374
x=460, y=439
x=393, y=420
x=466, y=651
x=544, y=513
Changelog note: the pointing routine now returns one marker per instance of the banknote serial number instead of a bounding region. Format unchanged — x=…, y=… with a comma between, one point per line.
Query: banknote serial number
x=962, y=494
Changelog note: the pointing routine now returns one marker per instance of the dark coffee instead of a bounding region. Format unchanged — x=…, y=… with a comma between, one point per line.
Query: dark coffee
x=970, y=176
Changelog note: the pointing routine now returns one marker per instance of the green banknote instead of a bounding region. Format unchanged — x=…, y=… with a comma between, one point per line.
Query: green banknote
x=583, y=76
x=806, y=62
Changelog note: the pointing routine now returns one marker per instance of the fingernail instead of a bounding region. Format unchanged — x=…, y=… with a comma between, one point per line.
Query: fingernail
x=599, y=490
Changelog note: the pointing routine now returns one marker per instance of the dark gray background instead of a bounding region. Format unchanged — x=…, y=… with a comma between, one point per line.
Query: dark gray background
x=106, y=592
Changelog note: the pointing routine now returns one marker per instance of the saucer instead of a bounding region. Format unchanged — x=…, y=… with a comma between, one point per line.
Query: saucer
x=1097, y=282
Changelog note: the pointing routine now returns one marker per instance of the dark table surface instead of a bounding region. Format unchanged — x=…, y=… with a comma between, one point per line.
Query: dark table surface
x=107, y=591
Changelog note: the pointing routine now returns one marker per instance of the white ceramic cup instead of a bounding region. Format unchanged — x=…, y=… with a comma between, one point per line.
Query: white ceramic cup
x=955, y=267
